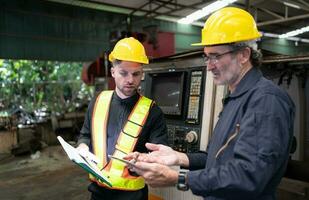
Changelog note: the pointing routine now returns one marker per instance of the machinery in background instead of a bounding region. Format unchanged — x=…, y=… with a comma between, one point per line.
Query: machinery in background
x=97, y=73
x=185, y=92
x=181, y=87
x=178, y=92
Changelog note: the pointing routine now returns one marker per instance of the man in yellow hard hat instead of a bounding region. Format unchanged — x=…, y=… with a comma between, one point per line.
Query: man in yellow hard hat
x=119, y=122
x=249, y=149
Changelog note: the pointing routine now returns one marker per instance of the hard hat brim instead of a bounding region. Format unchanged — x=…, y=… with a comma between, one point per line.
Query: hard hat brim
x=228, y=25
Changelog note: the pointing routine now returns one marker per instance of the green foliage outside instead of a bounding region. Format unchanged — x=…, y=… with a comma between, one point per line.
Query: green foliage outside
x=42, y=85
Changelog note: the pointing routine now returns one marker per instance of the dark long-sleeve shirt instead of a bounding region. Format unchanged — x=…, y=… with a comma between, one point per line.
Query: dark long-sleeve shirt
x=154, y=131
x=254, y=160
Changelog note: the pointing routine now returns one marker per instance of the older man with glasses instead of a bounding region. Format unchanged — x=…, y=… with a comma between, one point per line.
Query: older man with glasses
x=249, y=149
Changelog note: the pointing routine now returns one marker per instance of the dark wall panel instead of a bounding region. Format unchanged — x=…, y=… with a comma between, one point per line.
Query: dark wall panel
x=35, y=29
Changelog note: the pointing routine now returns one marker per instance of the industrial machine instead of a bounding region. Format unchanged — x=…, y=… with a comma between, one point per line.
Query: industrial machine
x=185, y=92
x=178, y=85
x=178, y=92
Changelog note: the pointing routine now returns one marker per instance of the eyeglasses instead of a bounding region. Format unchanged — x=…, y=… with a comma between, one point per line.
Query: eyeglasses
x=215, y=58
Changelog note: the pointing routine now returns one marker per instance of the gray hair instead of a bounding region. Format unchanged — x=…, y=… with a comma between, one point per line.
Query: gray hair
x=116, y=62
x=256, y=55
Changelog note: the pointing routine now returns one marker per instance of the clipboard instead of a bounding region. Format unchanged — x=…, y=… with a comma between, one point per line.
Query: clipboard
x=88, y=165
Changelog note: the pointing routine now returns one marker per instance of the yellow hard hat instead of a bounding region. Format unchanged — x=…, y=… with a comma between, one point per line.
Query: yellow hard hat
x=228, y=25
x=129, y=49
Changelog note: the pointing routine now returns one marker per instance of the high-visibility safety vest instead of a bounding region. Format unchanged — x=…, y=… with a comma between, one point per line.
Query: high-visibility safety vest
x=116, y=171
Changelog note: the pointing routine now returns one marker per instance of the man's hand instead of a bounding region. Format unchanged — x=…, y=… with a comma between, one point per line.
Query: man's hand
x=156, y=175
x=160, y=154
x=83, y=150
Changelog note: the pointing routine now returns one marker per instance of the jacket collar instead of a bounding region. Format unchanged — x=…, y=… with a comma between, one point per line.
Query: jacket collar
x=247, y=82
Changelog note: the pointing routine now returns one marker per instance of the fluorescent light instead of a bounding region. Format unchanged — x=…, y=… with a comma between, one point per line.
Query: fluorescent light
x=192, y=17
x=274, y=35
x=295, y=32
x=291, y=5
x=205, y=11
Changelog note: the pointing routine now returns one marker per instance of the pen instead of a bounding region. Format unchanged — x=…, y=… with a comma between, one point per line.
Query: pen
x=128, y=162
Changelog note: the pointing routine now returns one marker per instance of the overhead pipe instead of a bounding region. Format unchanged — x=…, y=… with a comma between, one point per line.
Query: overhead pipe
x=285, y=59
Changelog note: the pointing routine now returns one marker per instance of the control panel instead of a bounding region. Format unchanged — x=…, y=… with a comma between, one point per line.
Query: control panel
x=195, y=97
x=183, y=138
x=180, y=91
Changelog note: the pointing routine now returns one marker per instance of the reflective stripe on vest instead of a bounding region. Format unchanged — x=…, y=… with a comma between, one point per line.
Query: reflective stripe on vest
x=117, y=171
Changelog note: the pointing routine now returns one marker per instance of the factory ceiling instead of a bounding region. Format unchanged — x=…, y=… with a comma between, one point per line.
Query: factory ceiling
x=83, y=29
x=272, y=16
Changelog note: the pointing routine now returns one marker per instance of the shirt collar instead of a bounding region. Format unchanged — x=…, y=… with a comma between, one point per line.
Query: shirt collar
x=247, y=82
x=130, y=100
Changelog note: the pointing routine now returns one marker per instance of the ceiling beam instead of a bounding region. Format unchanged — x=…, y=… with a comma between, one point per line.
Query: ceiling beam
x=270, y=13
x=157, y=8
x=192, y=6
x=283, y=20
x=139, y=8
x=301, y=7
x=166, y=6
x=304, y=3
x=129, y=9
x=256, y=2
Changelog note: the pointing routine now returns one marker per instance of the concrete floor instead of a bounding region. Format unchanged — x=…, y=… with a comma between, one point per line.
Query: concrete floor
x=52, y=176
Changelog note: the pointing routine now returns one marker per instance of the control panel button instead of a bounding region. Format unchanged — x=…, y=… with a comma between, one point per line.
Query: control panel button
x=191, y=137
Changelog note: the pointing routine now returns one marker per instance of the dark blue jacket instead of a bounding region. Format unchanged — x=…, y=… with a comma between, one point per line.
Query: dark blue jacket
x=255, y=155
